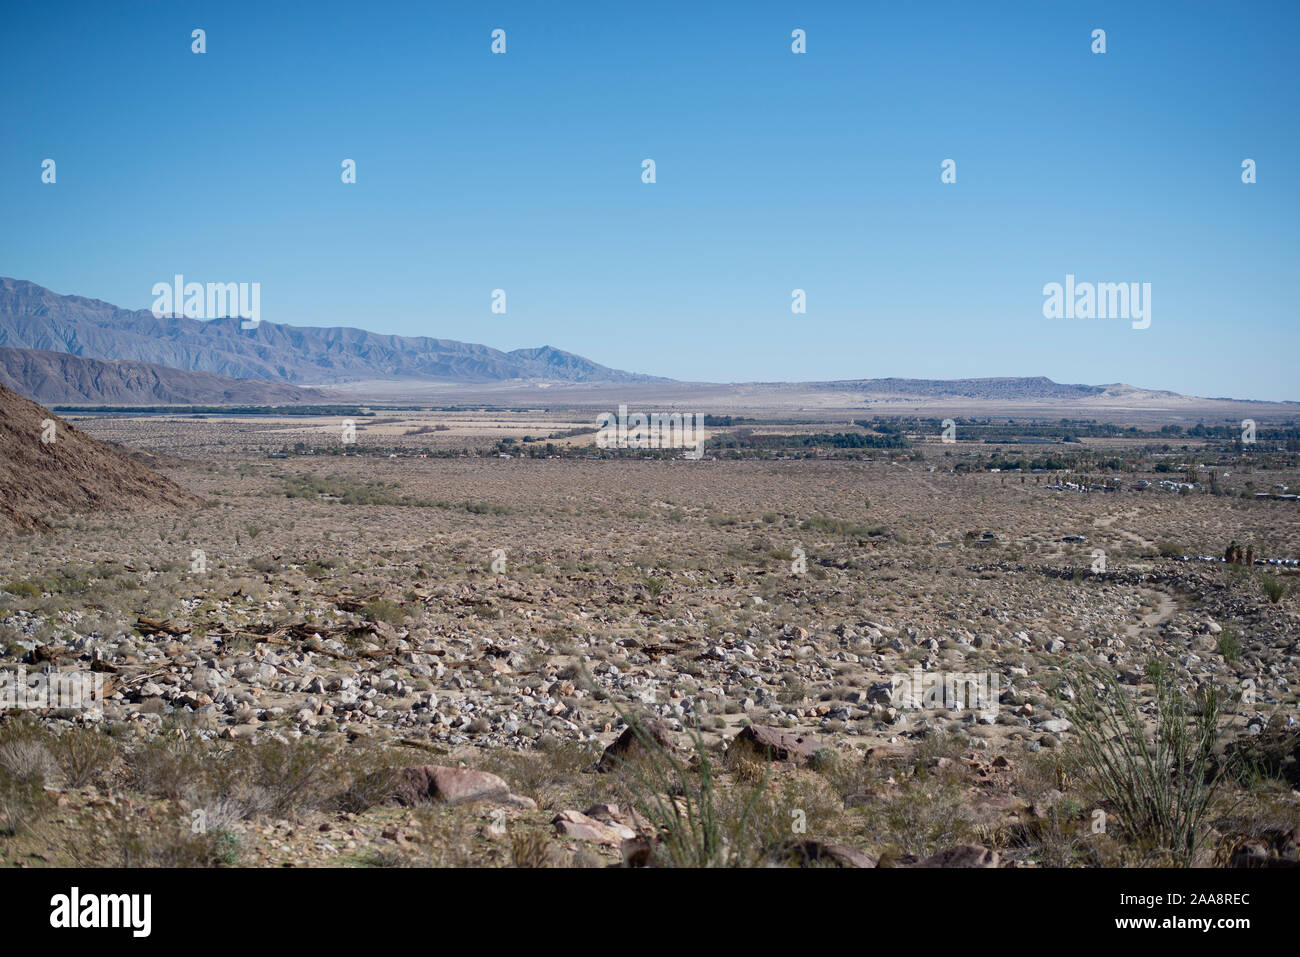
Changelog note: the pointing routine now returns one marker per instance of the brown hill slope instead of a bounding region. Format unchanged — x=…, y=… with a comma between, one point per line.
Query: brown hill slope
x=72, y=473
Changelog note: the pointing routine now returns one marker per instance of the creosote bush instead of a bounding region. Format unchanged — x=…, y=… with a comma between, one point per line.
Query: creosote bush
x=83, y=755
x=1273, y=588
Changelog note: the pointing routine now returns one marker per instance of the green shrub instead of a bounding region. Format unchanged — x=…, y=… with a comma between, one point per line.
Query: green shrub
x=1161, y=785
x=1273, y=588
x=1229, y=646
x=131, y=839
x=382, y=609
x=682, y=803
x=838, y=526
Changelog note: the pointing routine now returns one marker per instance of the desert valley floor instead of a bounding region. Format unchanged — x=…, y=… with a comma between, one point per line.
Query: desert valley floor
x=415, y=649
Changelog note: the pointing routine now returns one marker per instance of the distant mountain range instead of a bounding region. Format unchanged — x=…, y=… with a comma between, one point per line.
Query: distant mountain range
x=62, y=378
x=1004, y=388
x=73, y=350
x=33, y=317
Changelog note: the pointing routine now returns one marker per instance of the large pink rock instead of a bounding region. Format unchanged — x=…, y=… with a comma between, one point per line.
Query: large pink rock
x=808, y=853
x=434, y=784
x=778, y=745
x=577, y=825
x=963, y=855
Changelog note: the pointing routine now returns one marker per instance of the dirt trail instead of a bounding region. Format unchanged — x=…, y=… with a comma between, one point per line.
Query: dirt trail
x=1109, y=520
x=1166, y=606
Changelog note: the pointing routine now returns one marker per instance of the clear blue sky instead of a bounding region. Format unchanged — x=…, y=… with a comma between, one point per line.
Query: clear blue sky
x=775, y=171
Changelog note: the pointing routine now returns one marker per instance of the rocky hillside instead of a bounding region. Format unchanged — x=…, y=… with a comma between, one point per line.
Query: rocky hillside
x=33, y=317
x=69, y=471
x=60, y=377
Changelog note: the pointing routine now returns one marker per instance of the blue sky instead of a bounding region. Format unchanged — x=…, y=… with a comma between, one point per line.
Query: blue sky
x=775, y=171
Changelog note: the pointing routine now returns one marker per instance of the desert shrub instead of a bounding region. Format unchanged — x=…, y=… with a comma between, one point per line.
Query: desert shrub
x=1163, y=784
x=367, y=790
x=922, y=817
x=936, y=744
x=745, y=766
x=543, y=773
x=1229, y=646
x=168, y=767
x=793, y=690
x=319, y=568
x=1061, y=838
x=385, y=610
x=246, y=779
x=225, y=846
x=838, y=526
x=368, y=778
x=385, y=858
x=825, y=760
x=781, y=814
x=681, y=802
x=444, y=839
x=1273, y=754
x=858, y=777
x=296, y=776
x=25, y=764
x=529, y=849
x=347, y=491
x=22, y=801
x=83, y=754
x=130, y=838
x=1273, y=588
x=24, y=749
x=1156, y=669
x=221, y=808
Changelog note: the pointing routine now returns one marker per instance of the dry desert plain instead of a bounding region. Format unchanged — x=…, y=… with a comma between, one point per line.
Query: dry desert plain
x=414, y=650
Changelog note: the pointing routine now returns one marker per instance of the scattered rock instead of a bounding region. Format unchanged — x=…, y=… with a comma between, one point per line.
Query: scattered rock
x=1271, y=849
